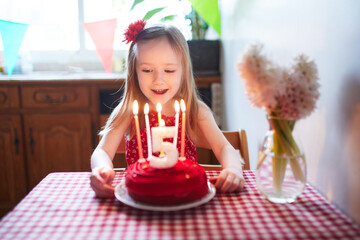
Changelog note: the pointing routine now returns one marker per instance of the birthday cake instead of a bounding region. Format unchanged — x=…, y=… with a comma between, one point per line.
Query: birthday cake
x=184, y=182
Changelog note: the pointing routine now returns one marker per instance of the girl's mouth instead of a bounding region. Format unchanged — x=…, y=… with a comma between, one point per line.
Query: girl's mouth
x=159, y=91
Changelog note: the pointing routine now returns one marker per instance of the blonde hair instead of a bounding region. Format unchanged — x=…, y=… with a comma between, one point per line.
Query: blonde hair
x=187, y=90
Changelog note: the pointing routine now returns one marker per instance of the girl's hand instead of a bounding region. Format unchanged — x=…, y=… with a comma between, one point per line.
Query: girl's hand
x=230, y=180
x=100, y=181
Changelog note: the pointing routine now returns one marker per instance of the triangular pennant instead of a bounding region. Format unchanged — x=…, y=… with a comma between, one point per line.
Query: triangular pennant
x=102, y=33
x=209, y=11
x=12, y=34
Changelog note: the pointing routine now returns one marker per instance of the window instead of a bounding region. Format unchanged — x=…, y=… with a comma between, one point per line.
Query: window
x=56, y=40
x=53, y=25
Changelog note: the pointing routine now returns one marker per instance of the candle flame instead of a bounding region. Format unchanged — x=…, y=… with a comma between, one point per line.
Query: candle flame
x=162, y=122
x=177, y=106
x=158, y=107
x=183, y=107
x=146, y=108
x=135, y=107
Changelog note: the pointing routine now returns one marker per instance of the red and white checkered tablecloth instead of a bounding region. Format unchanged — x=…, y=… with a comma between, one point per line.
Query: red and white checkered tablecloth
x=63, y=206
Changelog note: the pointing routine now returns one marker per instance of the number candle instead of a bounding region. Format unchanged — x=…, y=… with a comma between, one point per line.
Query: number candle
x=137, y=128
x=177, y=109
x=146, y=112
x=183, y=120
x=170, y=157
x=162, y=123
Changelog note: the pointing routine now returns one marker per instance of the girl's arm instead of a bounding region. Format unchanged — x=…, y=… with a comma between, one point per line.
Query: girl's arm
x=231, y=178
x=101, y=160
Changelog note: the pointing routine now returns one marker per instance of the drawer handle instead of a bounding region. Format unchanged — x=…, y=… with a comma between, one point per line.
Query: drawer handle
x=16, y=141
x=31, y=140
x=55, y=101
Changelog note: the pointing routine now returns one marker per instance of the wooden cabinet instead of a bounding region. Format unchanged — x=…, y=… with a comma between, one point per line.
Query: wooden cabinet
x=44, y=128
x=58, y=142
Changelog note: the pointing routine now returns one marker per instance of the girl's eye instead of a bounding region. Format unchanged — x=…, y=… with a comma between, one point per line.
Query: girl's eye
x=146, y=70
x=169, y=71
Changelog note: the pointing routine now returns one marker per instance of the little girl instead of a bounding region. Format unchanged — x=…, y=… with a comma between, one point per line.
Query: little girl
x=159, y=71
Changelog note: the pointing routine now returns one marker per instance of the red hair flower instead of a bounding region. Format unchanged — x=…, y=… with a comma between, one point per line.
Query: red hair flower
x=133, y=30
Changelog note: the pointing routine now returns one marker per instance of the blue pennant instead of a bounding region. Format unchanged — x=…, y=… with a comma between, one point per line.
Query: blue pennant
x=12, y=34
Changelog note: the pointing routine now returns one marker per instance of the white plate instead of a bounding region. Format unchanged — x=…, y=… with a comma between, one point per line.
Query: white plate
x=122, y=195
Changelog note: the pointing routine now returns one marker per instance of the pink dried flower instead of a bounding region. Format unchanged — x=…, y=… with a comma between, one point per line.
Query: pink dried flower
x=291, y=95
x=306, y=68
x=262, y=79
x=301, y=93
x=296, y=102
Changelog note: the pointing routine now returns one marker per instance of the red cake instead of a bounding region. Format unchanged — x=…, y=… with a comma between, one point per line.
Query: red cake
x=185, y=182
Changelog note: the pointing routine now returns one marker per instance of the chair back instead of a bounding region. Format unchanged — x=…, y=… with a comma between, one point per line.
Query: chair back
x=238, y=139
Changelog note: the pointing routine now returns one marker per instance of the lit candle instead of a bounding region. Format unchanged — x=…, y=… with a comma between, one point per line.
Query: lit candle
x=162, y=125
x=183, y=121
x=177, y=109
x=158, y=109
x=146, y=112
x=137, y=128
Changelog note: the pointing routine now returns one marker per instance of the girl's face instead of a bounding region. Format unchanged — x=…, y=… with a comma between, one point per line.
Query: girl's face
x=159, y=71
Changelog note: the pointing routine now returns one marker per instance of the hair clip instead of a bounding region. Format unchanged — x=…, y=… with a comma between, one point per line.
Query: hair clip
x=133, y=30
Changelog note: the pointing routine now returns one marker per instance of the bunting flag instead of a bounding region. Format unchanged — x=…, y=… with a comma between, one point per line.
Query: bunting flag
x=209, y=11
x=102, y=33
x=12, y=34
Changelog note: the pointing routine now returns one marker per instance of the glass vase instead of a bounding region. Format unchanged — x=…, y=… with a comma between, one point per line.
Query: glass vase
x=281, y=167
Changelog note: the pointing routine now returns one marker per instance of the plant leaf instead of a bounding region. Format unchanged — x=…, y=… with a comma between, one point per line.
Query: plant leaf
x=170, y=17
x=278, y=171
x=296, y=169
x=151, y=13
x=261, y=158
x=209, y=11
x=136, y=2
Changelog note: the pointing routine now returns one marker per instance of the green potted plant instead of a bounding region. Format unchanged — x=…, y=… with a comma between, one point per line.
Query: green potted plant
x=205, y=54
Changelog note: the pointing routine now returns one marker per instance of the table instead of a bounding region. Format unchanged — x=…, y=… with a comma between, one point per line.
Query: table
x=63, y=206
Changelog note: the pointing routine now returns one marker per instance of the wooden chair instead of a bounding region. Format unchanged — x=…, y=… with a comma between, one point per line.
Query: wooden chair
x=237, y=139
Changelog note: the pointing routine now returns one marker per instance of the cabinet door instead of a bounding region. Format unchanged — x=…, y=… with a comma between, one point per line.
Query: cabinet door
x=12, y=178
x=57, y=143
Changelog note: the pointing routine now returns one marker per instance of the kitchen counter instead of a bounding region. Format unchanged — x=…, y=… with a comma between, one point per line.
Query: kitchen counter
x=61, y=76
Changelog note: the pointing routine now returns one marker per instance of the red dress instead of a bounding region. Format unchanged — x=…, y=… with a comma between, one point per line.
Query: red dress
x=131, y=147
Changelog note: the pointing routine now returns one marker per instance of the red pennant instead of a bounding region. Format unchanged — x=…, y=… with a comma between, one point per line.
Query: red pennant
x=102, y=33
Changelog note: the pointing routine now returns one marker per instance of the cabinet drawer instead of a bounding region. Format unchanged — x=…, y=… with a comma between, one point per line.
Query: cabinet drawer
x=9, y=97
x=39, y=97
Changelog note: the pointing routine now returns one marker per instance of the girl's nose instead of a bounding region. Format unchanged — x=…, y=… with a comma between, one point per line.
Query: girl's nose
x=159, y=77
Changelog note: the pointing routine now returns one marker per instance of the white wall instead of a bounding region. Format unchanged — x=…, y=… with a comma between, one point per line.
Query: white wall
x=329, y=32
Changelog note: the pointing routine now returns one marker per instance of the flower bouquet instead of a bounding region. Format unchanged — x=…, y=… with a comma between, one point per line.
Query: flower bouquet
x=287, y=95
